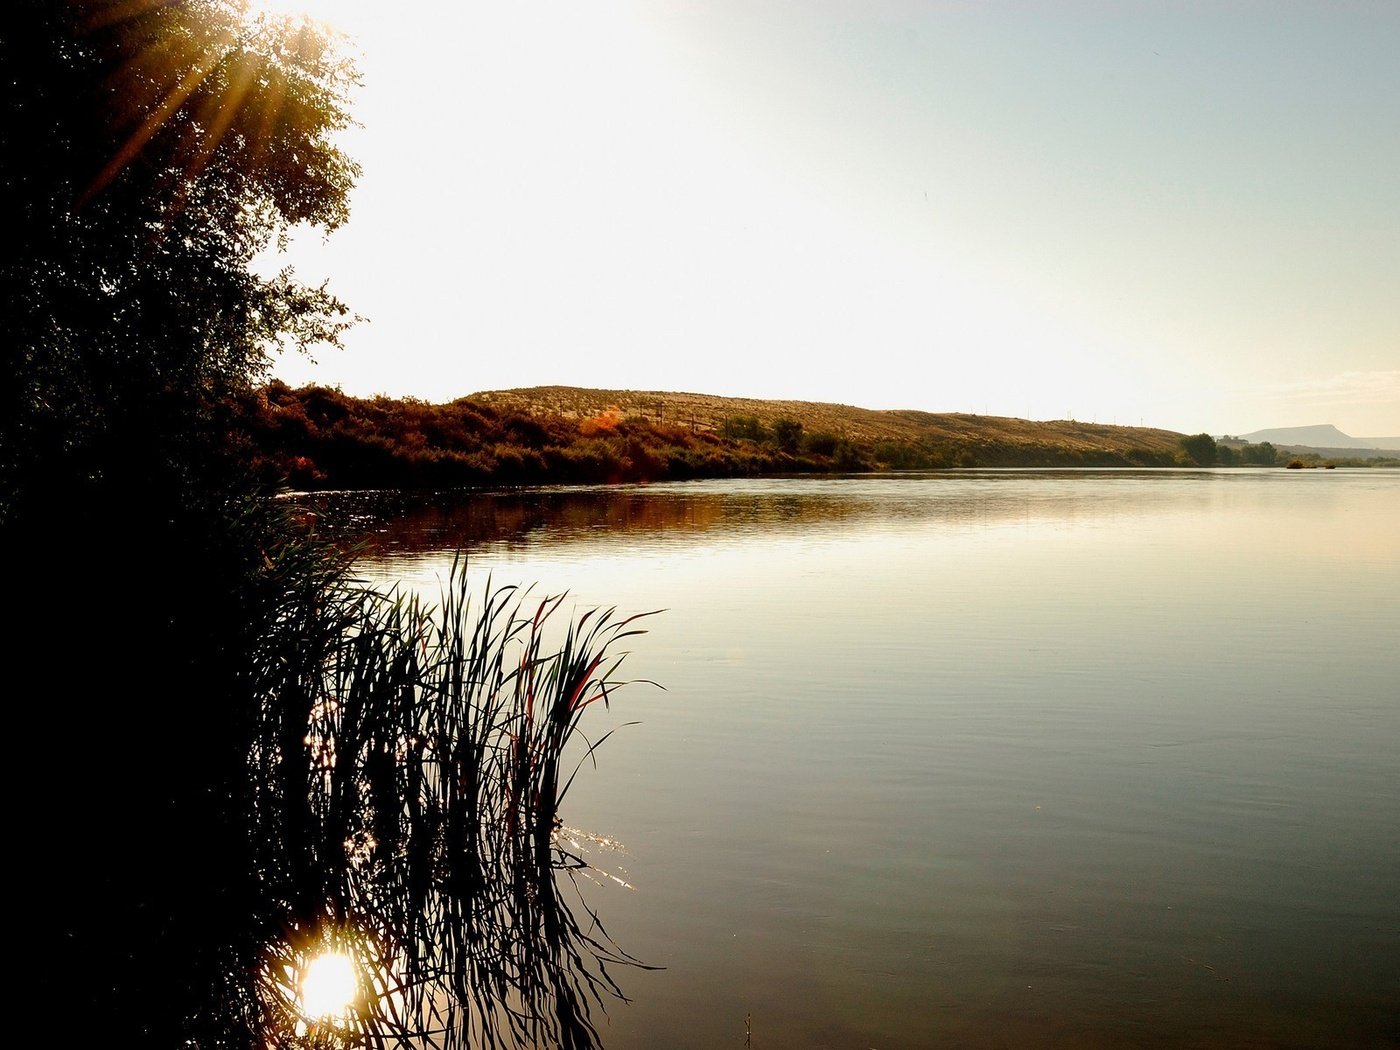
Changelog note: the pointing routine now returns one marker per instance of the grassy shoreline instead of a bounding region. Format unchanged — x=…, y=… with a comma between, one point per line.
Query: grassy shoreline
x=318, y=438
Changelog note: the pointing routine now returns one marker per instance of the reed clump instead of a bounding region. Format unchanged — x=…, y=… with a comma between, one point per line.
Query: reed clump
x=407, y=769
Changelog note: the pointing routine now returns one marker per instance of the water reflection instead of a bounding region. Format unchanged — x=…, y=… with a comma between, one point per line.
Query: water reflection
x=406, y=824
x=392, y=523
x=998, y=758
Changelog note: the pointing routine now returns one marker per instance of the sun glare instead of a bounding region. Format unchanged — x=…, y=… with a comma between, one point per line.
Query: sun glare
x=327, y=11
x=329, y=987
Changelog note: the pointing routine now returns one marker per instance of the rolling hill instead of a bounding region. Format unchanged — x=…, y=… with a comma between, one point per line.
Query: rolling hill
x=315, y=437
x=999, y=438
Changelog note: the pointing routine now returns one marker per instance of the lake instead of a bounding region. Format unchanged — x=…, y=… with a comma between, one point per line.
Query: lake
x=985, y=758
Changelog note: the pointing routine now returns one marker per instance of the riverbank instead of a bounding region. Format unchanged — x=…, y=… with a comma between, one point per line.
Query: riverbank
x=316, y=437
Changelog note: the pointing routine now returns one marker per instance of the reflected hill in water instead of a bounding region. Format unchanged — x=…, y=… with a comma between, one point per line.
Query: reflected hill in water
x=389, y=522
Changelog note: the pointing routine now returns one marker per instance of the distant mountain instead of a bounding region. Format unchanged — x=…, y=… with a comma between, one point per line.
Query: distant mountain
x=1323, y=436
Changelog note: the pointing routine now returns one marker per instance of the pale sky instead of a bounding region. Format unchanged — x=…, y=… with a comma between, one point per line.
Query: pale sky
x=1181, y=213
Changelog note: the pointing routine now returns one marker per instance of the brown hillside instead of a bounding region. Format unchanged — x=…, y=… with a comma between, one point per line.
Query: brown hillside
x=705, y=412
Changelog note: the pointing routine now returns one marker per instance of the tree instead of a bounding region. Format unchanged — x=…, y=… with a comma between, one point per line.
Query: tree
x=743, y=428
x=1263, y=454
x=1200, y=450
x=227, y=723
x=148, y=152
x=787, y=433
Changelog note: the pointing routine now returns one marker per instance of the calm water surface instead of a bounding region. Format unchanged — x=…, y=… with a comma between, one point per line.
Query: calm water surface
x=986, y=759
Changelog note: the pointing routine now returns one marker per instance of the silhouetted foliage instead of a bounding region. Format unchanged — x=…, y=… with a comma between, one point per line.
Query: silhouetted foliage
x=410, y=764
x=1200, y=450
x=148, y=152
x=248, y=756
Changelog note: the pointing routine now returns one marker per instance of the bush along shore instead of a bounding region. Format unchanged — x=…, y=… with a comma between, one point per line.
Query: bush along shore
x=320, y=438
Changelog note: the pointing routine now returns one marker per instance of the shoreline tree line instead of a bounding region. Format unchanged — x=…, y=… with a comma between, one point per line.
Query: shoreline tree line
x=317, y=437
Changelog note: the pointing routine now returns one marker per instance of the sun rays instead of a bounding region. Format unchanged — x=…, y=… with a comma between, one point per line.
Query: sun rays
x=207, y=82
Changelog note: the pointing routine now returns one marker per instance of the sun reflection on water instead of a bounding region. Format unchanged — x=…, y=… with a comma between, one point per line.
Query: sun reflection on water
x=323, y=990
x=329, y=987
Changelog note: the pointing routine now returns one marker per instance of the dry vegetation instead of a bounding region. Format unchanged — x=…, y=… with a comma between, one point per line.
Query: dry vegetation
x=707, y=412
x=316, y=437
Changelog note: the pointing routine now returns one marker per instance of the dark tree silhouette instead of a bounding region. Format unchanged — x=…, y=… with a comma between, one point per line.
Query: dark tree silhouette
x=242, y=757
x=149, y=150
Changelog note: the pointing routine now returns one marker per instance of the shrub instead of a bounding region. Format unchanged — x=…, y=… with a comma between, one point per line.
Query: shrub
x=743, y=428
x=787, y=433
x=1201, y=450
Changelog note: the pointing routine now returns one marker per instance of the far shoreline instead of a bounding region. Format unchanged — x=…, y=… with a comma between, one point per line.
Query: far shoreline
x=319, y=439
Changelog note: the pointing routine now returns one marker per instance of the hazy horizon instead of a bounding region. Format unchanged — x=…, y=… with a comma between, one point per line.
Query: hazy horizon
x=1181, y=216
